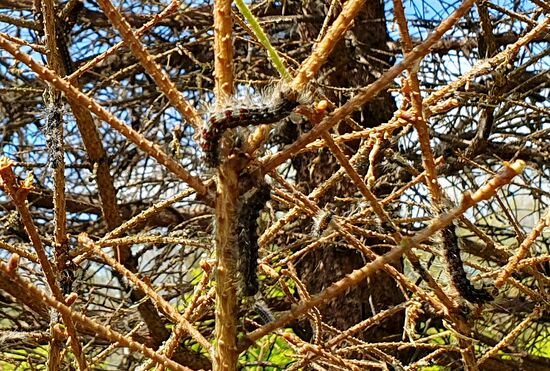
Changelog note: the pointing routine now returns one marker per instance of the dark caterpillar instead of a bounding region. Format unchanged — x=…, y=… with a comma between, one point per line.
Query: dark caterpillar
x=456, y=269
x=266, y=109
x=249, y=210
x=52, y=130
x=263, y=312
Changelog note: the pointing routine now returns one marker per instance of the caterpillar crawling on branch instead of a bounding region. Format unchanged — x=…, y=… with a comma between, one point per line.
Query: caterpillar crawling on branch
x=251, y=204
x=456, y=270
x=268, y=107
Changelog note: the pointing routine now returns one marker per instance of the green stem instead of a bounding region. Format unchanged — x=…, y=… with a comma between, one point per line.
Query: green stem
x=262, y=37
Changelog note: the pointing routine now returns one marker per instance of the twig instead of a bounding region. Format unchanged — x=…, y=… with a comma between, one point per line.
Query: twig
x=536, y=313
x=227, y=192
x=172, y=7
x=19, y=251
x=161, y=78
x=262, y=37
x=310, y=67
x=523, y=249
x=326, y=295
x=54, y=131
x=487, y=65
x=146, y=214
x=89, y=323
x=418, y=110
x=73, y=93
x=18, y=193
x=173, y=341
x=158, y=300
x=485, y=192
x=370, y=91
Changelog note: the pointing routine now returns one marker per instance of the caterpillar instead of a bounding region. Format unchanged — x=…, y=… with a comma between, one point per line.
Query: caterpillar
x=247, y=237
x=268, y=107
x=456, y=270
x=52, y=131
x=263, y=312
x=321, y=222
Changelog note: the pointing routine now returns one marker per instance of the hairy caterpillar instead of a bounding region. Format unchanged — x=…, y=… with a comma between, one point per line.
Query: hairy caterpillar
x=263, y=311
x=456, y=269
x=52, y=131
x=247, y=237
x=321, y=222
x=269, y=107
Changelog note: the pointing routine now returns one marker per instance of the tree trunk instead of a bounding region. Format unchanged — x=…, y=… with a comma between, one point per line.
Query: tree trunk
x=357, y=61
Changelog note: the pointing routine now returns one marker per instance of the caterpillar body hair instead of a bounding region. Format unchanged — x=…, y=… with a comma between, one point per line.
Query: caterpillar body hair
x=247, y=237
x=267, y=107
x=456, y=270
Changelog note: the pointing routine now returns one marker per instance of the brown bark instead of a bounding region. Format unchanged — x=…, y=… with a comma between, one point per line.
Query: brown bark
x=356, y=61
